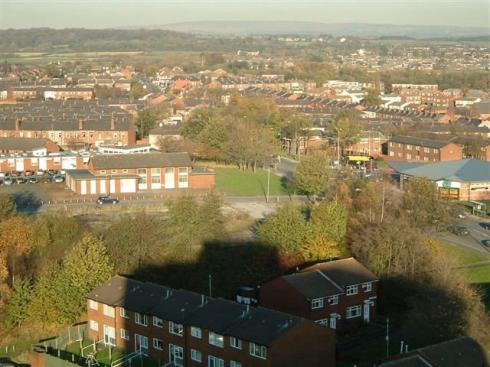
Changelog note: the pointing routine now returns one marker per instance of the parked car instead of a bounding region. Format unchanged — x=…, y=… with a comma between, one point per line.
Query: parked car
x=20, y=180
x=8, y=180
x=107, y=200
x=28, y=173
x=58, y=178
x=32, y=179
x=461, y=231
x=40, y=172
x=52, y=172
x=485, y=225
x=14, y=173
x=486, y=243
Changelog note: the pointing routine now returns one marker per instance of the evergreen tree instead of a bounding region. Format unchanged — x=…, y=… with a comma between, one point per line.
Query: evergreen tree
x=16, y=311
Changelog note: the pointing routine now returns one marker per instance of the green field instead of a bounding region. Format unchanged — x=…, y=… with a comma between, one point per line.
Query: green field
x=247, y=183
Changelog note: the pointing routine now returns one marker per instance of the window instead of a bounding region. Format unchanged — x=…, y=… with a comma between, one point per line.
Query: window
x=109, y=335
x=235, y=342
x=196, y=355
x=93, y=304
x=216, y=339
x=353, y=311
x=142, y=174
x=141, y=319
x=155, y=176
x=183, y=177
x=258, y=351
x=215, y=362
x=176, y=354
x=196, y=332
x=123, y=313
x=367, y=287
x=235, y=364
x=317, y=303
x=158, y=322
x=124, y=334
x=351, y=289
x=409, y=156
x=109, y=311
x=141, y=343
x=174, y=328
x=125, y=171
x=409, y=146
x=94, y=325
x=102, y=171
x=158, y=344
x=333, y=300
x=114, y=171
x=426, y=150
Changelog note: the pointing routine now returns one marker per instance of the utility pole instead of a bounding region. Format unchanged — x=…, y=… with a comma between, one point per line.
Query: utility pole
x=210, y=278
x=387, y=337
x=268, y=183
x=338, y=149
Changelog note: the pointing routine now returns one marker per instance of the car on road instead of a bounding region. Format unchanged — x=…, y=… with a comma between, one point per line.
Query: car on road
x=107, y=200
x=486, y=242
x=485, y=225
x=32, y=179
x=20, y=180
x=461, y=231
x=58, y=178
x=8, y=180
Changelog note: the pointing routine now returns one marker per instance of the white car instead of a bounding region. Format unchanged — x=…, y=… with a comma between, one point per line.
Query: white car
x=58, y=178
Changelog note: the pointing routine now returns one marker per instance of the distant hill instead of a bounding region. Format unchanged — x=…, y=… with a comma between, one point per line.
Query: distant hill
x=315, y=28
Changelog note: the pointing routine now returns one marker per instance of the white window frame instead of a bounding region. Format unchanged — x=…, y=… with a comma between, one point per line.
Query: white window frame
x=173, y=326
x=216, y=339
x=93, y=305
x=123, y=313
x=352, y=290
x=196, y=355
x=317, y=303
x=140, y=319
x=333, y=300
x=196, y=332
x=323, y=322
x=157, y=322
x=109, y=311
x=258, y=351
x=367, y=287
x=125, y=334
x=235, y=342
x=215, y=361
x=352, y=315
x=155, y=344
x=235, y=364
x=94, y=325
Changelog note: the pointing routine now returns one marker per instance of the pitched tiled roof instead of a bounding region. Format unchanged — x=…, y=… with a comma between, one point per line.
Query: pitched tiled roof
x=463, y=351
x=414, y=140
x=141, y=160
x=259, y=325
x=24, y=144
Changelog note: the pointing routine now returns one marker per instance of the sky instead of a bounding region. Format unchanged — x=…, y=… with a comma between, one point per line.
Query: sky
x=131, y=13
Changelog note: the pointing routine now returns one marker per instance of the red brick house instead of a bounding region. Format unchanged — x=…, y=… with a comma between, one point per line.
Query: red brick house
x=130, y=173
x=334, y=294
x=184, y=328
x=34, y=146
x=412, y=148
x=30, y=162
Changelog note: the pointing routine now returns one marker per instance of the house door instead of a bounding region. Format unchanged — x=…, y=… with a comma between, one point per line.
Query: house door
x=112, y=186
x=333, y=321
x=141, y=343
x=83, y=187
x=43, y=164
x=19, y=164
x=169, y=178
x=176, y=355
x=367, y=306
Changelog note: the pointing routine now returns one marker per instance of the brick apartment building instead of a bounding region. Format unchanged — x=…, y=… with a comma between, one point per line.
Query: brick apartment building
x=369, y=143
x=34, y=146
x=31, y=162
x=411, y=148
x=65, y=133
x=337, y=294
x=183, y=328
x=130, y=173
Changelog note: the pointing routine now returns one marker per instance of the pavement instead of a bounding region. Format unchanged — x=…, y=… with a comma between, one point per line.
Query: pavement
x=285, y=167
x=474, y=239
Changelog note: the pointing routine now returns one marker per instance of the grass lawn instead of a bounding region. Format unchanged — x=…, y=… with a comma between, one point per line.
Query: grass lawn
x=247, y=183
x=464, y=256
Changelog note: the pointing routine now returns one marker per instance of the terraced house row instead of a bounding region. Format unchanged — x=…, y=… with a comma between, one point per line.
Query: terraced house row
x=190, y=329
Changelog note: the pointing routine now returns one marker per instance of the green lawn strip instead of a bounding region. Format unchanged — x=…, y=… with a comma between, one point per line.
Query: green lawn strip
x=464, y=256
x=247, y=183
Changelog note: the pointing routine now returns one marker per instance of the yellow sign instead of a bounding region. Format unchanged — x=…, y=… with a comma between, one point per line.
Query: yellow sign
x=359, y=158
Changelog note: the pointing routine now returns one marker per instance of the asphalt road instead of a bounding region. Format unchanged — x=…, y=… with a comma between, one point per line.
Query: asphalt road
x=474, y=239
x=285, y=167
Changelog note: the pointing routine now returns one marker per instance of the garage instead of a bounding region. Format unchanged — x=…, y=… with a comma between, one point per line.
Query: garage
x=128, y=185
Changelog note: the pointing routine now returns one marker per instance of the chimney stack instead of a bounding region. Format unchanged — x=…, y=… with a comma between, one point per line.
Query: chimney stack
x=80, y=124
x=17, y=124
